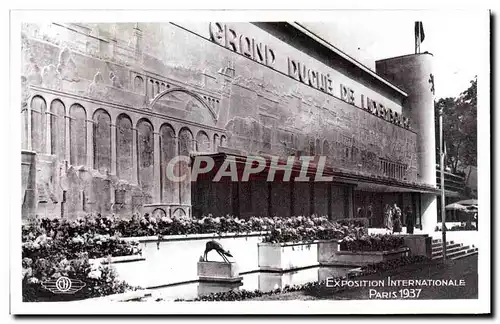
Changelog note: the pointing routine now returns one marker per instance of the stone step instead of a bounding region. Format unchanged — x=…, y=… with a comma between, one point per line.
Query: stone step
x=456, y=253
x=448, y=246
x=473, y=252
x=441, y=244
x=449, y=250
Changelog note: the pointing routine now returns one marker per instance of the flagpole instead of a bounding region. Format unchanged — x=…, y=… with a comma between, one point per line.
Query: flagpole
x=443, y=211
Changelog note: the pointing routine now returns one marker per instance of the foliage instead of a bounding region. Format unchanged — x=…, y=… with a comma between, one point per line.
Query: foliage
x=100, y=280
x=53, y=248
x=462, y=227
x=307, y=229
x=112, y=228
x=357, y=222
x=459, y=128
x=310, y=287
x=376, y=242
x=68, y=238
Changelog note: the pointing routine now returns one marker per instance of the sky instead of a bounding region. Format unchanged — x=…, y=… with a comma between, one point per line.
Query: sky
x=455, y=38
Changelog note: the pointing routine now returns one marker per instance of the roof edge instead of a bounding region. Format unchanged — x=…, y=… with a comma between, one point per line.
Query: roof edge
x=337, y=51
x=403, y=56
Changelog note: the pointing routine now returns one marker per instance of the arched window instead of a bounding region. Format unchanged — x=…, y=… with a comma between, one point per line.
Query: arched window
x=139, y=84
x=58, y=130
x=185, y=147
x=152, y=88
x=145, y=150
x=102, y=141
x=318, y=147
x=326, y=149
x=78, y=135
x=24, y=129
x=223, y=140
x=38, y=109
x=202, y=142
x=169, y=189
x=216, y=142
x=124, y=137
x=158, y=90
x=312, y=148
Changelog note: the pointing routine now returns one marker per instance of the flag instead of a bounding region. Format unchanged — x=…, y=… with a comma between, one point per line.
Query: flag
x=419, y=31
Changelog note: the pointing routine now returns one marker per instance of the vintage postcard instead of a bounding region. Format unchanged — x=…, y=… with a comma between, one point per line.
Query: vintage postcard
x=323, y=162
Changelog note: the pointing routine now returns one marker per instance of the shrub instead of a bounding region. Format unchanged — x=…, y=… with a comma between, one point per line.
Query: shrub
x=378, y=242
x=307, y=229
x=95, y=236
x=99, y=280
x=61, y=247
x=148, y=225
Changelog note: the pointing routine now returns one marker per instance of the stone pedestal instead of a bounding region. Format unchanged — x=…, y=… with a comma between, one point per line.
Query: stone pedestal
x=419, y=244
x=214, y=271
x=208, y=287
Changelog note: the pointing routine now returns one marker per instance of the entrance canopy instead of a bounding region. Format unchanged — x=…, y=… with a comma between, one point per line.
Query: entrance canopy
x=313, y=169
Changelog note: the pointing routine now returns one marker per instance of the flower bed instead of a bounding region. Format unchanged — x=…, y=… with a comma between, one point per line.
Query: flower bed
x=361, y=250
x=375, y=242
x=99, y=280
x=309, y=229
x=288, y=244
x=55, y=248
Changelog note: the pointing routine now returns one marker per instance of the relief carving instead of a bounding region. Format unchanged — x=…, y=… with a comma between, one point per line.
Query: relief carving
x=34, y=75
x=115, y=80
x=51, y=77
x=67, y=67
x=97, y=87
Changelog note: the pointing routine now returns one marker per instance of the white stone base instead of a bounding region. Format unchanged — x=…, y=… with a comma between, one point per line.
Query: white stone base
x=287, y=256
x=348, y=258
x=214, y=271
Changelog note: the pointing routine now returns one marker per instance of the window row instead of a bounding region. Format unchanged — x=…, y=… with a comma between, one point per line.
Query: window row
x=102, y=127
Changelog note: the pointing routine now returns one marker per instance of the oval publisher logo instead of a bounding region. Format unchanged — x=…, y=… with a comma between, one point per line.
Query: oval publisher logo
x=63, y=285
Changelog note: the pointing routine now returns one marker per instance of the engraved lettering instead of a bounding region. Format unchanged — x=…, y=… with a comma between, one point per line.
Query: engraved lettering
x=292, y=69
x=246, y=46
x=217, y=33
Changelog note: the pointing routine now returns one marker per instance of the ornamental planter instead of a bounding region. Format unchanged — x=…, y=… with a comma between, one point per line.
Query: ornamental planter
x=325, y=251
x=357, y=258
x=279, y=257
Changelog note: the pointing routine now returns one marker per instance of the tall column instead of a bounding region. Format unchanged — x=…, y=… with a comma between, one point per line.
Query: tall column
x=30, y=111
x=48, y=141
x=113, y=149
x=67, y=126
x=413, y=73
x=90, y=144
x=175, y=197
x=156, y=168
x=134, y=156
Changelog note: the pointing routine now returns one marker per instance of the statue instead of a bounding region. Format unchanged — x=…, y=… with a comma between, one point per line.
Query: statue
x=213, y=245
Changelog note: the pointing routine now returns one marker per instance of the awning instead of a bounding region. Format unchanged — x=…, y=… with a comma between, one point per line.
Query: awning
x=362, y=180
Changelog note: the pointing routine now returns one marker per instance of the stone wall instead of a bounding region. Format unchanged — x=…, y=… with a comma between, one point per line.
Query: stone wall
x=105, y=105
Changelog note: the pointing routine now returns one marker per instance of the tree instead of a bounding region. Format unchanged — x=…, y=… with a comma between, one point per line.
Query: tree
x=459, y=128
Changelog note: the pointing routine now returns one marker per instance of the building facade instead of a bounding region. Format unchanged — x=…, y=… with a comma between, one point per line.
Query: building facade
x=105, y=107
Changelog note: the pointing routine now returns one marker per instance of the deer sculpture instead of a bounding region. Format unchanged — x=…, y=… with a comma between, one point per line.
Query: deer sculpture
x=213, y=245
